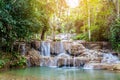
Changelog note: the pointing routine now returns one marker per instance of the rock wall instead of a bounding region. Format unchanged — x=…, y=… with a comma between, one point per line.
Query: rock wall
x=70, y=54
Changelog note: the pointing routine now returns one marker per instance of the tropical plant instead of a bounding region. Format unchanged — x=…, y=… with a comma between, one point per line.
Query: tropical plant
x=115, y=35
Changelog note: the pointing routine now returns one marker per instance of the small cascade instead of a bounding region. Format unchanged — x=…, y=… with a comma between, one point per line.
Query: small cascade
x=64, y=57
x=45, y=48
x=22, y=49
x=74, y=62
x=109, y=58
x=52, y=54
x=59, y=48
x=65, y=62
x=88, y=66
x=28, y=63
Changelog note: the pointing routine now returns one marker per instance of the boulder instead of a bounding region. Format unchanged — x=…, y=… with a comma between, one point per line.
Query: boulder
x=56, y=47
x=33, y=57
x=101, y=66
x=116, y=67
x=35, y=44
x=77, y=49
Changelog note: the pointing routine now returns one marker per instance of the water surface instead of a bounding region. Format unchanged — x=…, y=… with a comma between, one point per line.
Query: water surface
x=46, y=73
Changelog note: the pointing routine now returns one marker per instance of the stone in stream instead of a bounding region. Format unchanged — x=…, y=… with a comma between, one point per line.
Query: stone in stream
x=101, y=66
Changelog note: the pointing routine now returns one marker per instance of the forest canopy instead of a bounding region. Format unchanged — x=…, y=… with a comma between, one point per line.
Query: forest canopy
x=92, y=20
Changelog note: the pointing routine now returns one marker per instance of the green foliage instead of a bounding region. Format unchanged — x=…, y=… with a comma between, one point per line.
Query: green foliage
x=115, y=35
x=21, y=19
x=18, y=60
x=82, y=36
x=2, y=63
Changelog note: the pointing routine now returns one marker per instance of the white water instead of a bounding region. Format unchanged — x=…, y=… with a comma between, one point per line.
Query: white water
x=45, y=49
x=59, y=47
x=63, y=55
x=74, y=60
x=109, y=58
x=22, y=49
x=88, y=66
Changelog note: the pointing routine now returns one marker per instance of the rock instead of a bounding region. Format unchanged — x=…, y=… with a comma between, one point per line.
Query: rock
x=115, y=53
x=56, y=48
x=101, y=66
x=33, y=57
x=77, y=49
x=116, y=67
x=35, y=44
x=92, y=55
x=72, y=62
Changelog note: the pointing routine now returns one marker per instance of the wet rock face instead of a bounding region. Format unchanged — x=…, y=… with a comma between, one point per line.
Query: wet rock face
x=77, y=49
x=76, y=55
x=56, y=48
x=97, y=45
x=72, y=62
x=101, y=66
x=33, y=57
x=116, y=67
x=35, y=44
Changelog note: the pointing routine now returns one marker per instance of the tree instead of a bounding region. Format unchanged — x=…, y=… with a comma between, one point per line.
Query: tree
x=20, y=19
x=115, y=35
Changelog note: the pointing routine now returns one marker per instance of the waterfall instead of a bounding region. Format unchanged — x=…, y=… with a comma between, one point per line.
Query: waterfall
x=74, y=60
x=45, y=48
x=62, y=59
x=109, y=58
x=65, y=62
x=88, y=66
x=63, y=56
x=22, y=49
x=59, y=48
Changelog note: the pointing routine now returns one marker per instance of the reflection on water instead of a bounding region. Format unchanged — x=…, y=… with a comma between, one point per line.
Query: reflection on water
x=45, y=73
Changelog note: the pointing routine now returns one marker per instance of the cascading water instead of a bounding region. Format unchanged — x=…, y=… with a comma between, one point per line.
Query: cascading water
x=45, y=48
x=44, y=52
x=65, y=62
x=63, y=56
x=59, y=48
x=22, y=49
x=109, y=58
x=74, y=60
x=61, y=59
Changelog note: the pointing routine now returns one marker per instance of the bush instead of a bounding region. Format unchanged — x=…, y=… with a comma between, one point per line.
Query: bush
x=81, y=36
x=115, y=35
x=2, y=63
x=18, y=60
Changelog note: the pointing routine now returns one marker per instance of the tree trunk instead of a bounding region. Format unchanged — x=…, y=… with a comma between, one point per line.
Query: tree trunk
x=118, y=7
x=43, y=34
x=89, y=23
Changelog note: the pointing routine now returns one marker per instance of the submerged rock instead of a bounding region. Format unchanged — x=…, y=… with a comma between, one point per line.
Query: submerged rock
x=101, y=66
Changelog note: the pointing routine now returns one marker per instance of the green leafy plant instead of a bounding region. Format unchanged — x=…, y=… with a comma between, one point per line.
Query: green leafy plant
x=2, y=63
x=115, y=35
x=81, y=36
x=18, y=60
